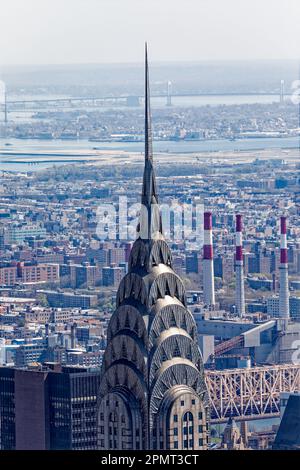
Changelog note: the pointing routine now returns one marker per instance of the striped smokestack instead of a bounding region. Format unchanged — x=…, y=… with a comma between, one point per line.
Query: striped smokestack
x=239, y=267
x=208, y=266
x=284, y=311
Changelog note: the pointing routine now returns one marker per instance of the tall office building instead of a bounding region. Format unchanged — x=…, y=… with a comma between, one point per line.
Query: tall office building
x=152, y=393
x=51, y=408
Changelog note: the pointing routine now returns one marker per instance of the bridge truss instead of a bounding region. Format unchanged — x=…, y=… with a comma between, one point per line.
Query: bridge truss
x=250, y=393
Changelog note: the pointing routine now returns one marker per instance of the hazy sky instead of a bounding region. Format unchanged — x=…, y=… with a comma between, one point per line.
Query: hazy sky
x=95, y=31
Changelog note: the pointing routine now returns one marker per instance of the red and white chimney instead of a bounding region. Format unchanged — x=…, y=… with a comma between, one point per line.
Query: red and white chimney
x=284, y=310
x=208, y=264
x=239, y=267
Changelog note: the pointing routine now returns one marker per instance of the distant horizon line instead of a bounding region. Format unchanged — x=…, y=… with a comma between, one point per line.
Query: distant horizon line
x=153, y=63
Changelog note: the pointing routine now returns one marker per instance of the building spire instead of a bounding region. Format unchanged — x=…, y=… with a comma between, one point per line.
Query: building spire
x=150, y=225
x=149, y=193
x=143, y=387
x=148, y=127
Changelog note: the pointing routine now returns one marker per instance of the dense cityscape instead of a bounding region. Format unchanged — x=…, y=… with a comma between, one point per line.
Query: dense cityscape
x=59, y=280
x=150, y=258
x=170, y=123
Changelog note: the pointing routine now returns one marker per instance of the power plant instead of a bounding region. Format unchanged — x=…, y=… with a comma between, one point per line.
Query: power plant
x=242, y=339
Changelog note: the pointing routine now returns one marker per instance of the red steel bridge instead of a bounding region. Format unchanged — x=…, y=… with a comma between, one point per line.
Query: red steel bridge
x=252, y=393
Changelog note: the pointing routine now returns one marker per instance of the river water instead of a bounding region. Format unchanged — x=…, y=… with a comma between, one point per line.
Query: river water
x=12, y=156
x=13, y=152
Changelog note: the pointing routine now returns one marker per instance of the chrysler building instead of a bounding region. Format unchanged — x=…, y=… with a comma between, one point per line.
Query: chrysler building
x=152, y=393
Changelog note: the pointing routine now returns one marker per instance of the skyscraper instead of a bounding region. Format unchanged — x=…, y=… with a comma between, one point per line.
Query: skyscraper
x=152, y=393
x=48, y=408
